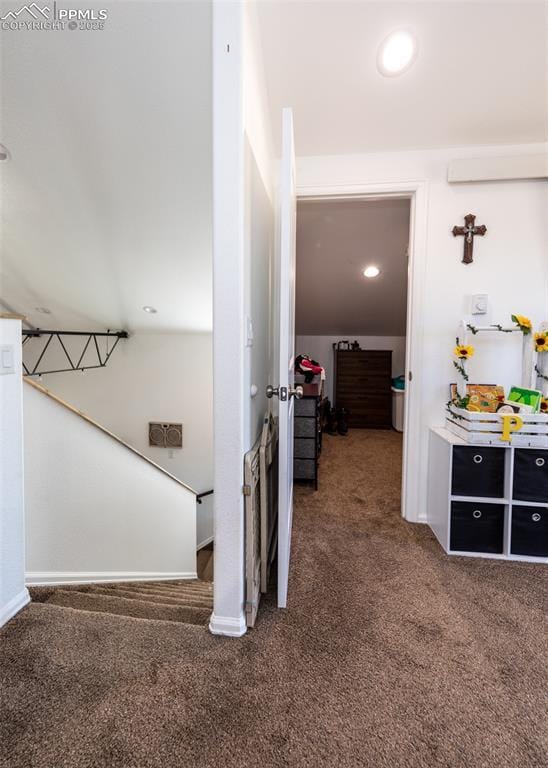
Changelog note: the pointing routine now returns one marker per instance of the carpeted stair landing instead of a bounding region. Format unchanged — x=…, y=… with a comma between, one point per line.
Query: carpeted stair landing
x=190, y=602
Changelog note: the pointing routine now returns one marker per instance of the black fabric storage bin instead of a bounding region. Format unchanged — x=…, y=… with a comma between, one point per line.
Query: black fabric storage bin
x=478, y=472
x=529, y=531
x=477, y=527
x=531, y=475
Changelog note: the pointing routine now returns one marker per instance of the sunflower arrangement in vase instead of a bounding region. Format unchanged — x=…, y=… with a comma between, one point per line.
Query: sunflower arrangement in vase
x=541, y=341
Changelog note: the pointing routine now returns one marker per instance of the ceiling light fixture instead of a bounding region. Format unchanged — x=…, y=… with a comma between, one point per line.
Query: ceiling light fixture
x=397, y=53
x=4, y=154
x=150, y=310
x=371, y=272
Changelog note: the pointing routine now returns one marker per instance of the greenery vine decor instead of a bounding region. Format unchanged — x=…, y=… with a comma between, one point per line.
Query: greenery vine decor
x=457, y=402
x=540, y=374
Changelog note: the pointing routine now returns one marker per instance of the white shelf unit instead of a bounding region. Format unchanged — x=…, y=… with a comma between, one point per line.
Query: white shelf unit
x=447, y=508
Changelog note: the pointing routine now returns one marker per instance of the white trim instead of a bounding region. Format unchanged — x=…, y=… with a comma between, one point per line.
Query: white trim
x=504, y=168
x=417, y=191
x=228, y=302
x=204, y=543
x=14, y=606
x=47, y=578
x=227, y=626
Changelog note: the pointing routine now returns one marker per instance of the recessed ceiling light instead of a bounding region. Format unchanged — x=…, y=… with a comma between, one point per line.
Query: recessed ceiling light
x=150, y=310
x=371, y=272
x=4, y=154
x=397, y=53
x=43, y=310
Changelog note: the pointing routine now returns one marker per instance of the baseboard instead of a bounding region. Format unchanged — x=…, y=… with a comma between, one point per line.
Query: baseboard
x=204, y=543
x=47, y=578
x=14, y=606
x=227, y=625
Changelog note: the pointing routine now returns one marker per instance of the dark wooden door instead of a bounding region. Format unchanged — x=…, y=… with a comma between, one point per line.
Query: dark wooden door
x=363, y=386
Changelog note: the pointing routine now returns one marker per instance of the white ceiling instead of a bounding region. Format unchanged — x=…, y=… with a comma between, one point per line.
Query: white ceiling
x=481, y=76
x=107, y=197
x=336, y=240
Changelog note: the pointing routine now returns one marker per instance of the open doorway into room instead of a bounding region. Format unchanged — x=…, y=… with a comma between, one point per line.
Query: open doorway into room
x=351, y=320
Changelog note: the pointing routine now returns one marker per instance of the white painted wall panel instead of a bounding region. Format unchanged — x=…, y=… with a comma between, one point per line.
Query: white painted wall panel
x=13, y=594
x=94, y=507
x=152, y=377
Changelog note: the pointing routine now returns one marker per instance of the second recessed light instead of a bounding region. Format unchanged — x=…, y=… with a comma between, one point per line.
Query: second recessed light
x=371, y=272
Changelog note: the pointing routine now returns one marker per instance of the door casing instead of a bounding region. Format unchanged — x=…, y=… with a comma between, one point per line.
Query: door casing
x=417, y=193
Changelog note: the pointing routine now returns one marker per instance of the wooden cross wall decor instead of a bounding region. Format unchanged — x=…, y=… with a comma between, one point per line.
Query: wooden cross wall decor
x=469, y=231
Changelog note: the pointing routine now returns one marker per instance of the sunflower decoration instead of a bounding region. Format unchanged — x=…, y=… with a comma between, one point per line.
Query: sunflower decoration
x=464, y=351
x=541, y=341
x=544, y=405
x=523, y=323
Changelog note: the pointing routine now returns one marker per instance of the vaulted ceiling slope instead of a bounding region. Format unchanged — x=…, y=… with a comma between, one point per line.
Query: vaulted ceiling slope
x=107, y=196
x=481, y=75
x=336, y=241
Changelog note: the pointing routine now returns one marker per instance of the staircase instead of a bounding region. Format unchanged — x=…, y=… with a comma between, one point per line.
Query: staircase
x=188, y=602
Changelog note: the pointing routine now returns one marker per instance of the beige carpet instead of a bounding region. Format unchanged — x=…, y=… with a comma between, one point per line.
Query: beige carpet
x=389, y=655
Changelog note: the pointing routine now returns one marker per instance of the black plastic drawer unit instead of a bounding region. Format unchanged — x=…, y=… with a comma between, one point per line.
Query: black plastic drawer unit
x=477, y=527
x=478, y=472
x=529, y=531
x=531, y=475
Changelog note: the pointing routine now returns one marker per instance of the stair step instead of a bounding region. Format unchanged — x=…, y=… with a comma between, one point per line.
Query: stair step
x=158, y=589
x=205, y=564
x=152, y=596
x=198, y=587
x=122, y=606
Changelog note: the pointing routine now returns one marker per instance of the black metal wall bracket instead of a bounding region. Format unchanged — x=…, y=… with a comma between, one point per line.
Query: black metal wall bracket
x=77, y=363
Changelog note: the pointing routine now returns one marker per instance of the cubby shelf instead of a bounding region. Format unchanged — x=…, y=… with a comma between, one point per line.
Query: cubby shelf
x=474, y=507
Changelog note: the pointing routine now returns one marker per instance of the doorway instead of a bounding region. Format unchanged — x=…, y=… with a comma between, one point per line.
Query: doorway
x=356, y=275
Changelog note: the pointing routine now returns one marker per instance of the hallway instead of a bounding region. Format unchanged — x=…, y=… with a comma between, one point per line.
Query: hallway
x=390, y=655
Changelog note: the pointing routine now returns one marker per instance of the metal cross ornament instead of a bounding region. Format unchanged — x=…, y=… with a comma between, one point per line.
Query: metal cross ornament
x=469, y=231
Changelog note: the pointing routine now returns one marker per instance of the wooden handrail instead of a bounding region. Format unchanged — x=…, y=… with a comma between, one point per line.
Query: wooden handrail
x=105, y=431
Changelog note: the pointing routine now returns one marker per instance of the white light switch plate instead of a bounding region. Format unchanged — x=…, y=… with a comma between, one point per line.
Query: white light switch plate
x=248, y=332
x=480, y=304
x=7, y=364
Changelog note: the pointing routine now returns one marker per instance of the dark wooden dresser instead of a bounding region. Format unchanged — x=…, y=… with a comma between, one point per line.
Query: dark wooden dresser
x=363, y=381
x=308, y=434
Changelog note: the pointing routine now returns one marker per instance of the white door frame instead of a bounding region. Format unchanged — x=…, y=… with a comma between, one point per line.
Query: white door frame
x=417, y=193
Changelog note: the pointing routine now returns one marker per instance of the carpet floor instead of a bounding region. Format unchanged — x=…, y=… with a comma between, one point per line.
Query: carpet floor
x=389, y=655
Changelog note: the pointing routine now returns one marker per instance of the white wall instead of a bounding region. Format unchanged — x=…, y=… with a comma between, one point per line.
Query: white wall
x=243, y=233
x=95, y=511
x=153, y=377
x=511, y=262
x=259, y=224
x=13, y=593
x=320, y=348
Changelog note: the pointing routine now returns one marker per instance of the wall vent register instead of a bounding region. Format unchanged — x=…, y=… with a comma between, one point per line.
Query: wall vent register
x=164, y=435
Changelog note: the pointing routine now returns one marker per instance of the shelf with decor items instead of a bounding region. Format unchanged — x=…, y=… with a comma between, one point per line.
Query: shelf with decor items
x=528, y=426
x=488, y=500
